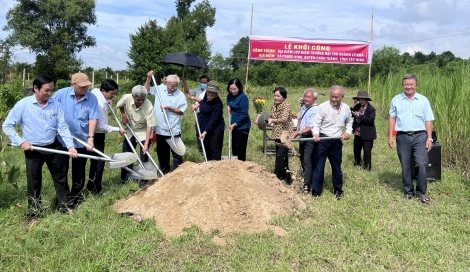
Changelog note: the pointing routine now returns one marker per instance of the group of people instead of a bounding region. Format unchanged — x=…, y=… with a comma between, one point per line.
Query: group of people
x=327, y=124
x=74, y=121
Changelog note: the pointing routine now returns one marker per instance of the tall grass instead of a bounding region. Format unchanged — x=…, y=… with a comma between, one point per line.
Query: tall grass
x=448, y=93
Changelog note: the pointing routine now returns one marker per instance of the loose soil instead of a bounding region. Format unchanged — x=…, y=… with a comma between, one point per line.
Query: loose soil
x=227, y=196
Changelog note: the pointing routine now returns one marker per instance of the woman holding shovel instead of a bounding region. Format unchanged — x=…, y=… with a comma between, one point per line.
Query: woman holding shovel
x=211, y=121
x=240, y=123
x=281, y=117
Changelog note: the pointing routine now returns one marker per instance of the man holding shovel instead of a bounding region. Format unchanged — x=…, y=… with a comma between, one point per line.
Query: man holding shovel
x=104, y=95
x=304, y=130
x=137, y=112
x=173, y=105
x=81, y=114
x=330, y=119
x=41, y=119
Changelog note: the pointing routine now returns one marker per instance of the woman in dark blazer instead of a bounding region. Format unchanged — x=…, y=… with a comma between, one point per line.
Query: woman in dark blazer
x=363, y=128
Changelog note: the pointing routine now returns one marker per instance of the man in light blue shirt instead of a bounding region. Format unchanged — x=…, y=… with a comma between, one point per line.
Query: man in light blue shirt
x=304, y=130
x=411, y=116
x=174, y=102
x=81, y=114
x=41, y=119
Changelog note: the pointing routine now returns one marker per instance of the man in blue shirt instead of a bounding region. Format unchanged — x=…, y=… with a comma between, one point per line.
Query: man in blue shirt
x=304, y=130
x=174, y=102
x=411, y=116
x=81, y=114
x=41, y=119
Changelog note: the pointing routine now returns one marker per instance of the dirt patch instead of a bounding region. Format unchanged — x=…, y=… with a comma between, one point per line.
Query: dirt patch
x=227, y=196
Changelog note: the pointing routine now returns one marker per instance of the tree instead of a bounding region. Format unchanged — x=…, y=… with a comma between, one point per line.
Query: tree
x=385, y=60
x=55, y=30
x=239, y=53
x=185, y=32
x=5, y=59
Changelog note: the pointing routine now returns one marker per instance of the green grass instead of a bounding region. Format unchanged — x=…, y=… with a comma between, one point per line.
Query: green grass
x=372, y=228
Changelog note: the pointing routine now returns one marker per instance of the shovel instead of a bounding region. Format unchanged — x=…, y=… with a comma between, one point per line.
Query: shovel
x=202, y=141
x=229, y=157
x=134, y=174
x=147, y=165
x=287, y=141
x=176, y=144
x=124, y=160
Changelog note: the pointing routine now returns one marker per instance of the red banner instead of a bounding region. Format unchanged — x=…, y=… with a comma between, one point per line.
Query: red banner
x=310, y=50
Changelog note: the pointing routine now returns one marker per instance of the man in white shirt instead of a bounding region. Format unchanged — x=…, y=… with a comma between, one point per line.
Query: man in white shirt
x=330, y=119
x=104, y=95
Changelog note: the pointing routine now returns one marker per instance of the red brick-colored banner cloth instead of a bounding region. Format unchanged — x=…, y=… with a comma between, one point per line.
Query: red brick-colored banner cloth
x=310, y=50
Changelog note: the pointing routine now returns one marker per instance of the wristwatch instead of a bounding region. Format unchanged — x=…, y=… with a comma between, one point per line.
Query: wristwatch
x=430, y=139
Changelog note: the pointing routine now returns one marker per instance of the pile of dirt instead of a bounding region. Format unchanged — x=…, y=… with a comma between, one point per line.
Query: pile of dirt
x=227, y=195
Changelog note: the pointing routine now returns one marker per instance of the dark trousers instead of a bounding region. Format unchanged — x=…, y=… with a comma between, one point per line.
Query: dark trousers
x=95, y=176
x=306, y=160
x=333, y=151
x=213, y=142
x=78, y=175
x=281, y=164
x=239, y=143
x=58, y=167
x=409, y=147
x=127, y=148
x=163, y=153
x=366, y=145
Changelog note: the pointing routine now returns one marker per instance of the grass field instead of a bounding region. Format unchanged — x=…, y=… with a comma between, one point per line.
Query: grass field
x=372, y=228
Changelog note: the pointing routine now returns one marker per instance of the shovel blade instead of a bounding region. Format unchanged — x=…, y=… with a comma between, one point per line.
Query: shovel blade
x=142, y=174
x=127, y=157
x=177, y=145
x=150, y=167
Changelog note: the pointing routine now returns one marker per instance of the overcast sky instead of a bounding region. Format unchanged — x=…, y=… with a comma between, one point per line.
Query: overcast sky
x=410, y=25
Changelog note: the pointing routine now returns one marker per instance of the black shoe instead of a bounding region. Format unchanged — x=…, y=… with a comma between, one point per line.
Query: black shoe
x=142, y=183
x=315, y=195
x=407, y=196
x=338, y=196
x=288, y=178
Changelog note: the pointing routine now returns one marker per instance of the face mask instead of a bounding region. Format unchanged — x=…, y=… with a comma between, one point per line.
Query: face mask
x=203, y=85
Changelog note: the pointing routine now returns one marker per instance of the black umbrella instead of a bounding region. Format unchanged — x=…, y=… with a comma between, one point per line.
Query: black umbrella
x=184, y=59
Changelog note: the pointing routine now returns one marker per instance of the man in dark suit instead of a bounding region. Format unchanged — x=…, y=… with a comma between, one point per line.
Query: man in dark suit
x=363, y=128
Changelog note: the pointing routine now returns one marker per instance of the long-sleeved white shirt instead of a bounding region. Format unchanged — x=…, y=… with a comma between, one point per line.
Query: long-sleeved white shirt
x=102, y=126
x=330, y=121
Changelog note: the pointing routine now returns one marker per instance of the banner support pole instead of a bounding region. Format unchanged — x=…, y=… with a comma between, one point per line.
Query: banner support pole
x=248, y=59
x=371, y=38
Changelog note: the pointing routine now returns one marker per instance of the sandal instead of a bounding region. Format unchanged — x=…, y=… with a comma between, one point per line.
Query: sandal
x=424, y=199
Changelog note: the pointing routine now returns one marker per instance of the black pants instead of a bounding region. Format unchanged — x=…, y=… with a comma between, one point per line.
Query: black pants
x=78, y=175
x=333, y=150
x=306, y=160
x=163, y=153
x=127, y=148
x=213, y=145
x=58, y=167
x=95, y=176
x=359, y=145
x=240, y=142
x=282, y=162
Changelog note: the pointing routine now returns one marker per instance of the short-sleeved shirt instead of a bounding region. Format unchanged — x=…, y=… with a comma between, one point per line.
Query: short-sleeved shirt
x=77, y=113
x=177, y=100
x=411, y=115
x=39, y=124
x=139, y=118
x=306, y=116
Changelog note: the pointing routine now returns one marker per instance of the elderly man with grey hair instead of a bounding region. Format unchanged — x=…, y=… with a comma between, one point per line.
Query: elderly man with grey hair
x=137, y=113
x=304, y=130
x=330, y=119
x=174, y=102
